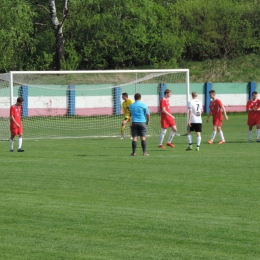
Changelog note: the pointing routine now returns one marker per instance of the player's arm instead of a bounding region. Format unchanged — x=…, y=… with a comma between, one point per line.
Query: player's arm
x=248, y=107
x=209, y=113
x=148, y=119
x=167, y=113
x=123, y=107
x=225, y=113
x=147, y=115
x=130, y=122
x=189, y=117
x=258, y=108
x=12, y=118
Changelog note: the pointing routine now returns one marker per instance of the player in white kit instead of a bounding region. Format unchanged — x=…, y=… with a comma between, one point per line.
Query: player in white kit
x=195, y=109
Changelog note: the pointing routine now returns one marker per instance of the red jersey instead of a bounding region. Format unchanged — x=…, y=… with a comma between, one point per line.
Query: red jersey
x=215, y=107
x=166, y=121
x=166, y=104
x=253, y=116
x=16, y=112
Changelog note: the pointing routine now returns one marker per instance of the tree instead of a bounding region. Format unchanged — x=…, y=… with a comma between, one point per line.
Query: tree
x=16, y=41
x=58, y=32
x=214, y=29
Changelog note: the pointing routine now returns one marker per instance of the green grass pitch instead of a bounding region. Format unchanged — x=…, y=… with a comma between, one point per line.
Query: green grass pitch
x=88, y=199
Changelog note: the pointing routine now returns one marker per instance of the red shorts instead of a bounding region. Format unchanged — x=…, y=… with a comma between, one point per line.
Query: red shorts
x=167, y=122
x=255, y=120
x=217, y=122
x=16, y=131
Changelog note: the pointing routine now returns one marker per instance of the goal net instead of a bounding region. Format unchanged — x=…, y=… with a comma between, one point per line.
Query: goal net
x=73, y=104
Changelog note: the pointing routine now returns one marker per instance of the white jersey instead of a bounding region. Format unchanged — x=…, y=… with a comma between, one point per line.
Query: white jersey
x=196, y=108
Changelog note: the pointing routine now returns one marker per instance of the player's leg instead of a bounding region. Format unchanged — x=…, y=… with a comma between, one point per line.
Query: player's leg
x=172, y=134
x=161, y=137
x=143, y=142
x=131, y=135
x=135, y=137
x=198, y=141
x=250, y=128
x=123, y=128
x=20, y=142
x=143, y=138
x=258, y=128
x=11, y=141
x=189, y=138
x=123, y=125
x=198, y=130
x=258, y=133
x=221, y=135
x=213, y=134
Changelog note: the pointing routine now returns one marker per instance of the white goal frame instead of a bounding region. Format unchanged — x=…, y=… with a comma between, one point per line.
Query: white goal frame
x=157, y=72
x=97, y=72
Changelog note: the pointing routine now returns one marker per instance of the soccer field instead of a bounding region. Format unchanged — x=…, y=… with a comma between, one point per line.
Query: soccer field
x=88, y=199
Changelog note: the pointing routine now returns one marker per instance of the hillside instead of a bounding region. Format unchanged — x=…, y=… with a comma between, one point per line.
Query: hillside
x=242, y=69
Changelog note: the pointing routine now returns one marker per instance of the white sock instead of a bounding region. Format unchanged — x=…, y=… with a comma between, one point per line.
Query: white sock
x=250, y=134
x=221, y=136
x=198, y=140
x=258, y=133
x=170, y=137
x=20, y=141
x=213, y=135
x=163, y=132
x=189, y=138
x=11, y=144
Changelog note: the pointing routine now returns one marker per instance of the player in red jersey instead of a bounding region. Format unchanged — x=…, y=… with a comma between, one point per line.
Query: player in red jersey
x=253, y=108
x=16, y=124
x=167, y=120
x=216, y=107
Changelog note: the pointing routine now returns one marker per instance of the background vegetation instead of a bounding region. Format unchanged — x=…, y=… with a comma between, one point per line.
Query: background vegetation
x=124, y=34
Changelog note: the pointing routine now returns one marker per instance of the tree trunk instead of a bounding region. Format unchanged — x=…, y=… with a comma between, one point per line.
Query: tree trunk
x=57, y=26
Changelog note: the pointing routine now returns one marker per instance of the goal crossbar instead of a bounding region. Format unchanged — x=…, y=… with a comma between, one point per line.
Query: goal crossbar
x=63, y=104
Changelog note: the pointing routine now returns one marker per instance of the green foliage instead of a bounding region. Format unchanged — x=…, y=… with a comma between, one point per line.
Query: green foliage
x=16, y=41
x=213, y=29
x=240, y=69
x=114, y=34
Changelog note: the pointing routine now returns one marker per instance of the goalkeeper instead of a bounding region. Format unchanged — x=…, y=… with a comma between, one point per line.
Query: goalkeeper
x=125, y=105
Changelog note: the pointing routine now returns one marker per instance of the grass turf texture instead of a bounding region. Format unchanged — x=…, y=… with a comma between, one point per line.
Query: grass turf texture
x=88, y=199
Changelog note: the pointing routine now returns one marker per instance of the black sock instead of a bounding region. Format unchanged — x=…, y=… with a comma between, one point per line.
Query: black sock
x=134, y=143
x=143, y=142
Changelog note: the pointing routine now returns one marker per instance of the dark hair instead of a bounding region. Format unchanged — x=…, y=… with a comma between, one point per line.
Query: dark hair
x=212, y=91
x=166, y=91
x=20, y=99
x=125, y=94
x=137, y=96
x=254, y=92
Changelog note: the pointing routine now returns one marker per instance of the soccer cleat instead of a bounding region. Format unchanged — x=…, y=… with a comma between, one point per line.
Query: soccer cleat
x=258, y=140
x=222, y=142
x=20, y=150
x=121, y=137
x=161, y=146
x=11, y=150
x=145, y=154
x=133, y=154
x=250, y=141
x=197, y=149
x=171, y=145
x=189, y=148
x=210, y=142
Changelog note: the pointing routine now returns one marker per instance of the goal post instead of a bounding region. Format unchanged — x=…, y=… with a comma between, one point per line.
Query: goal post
x=76, y=104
